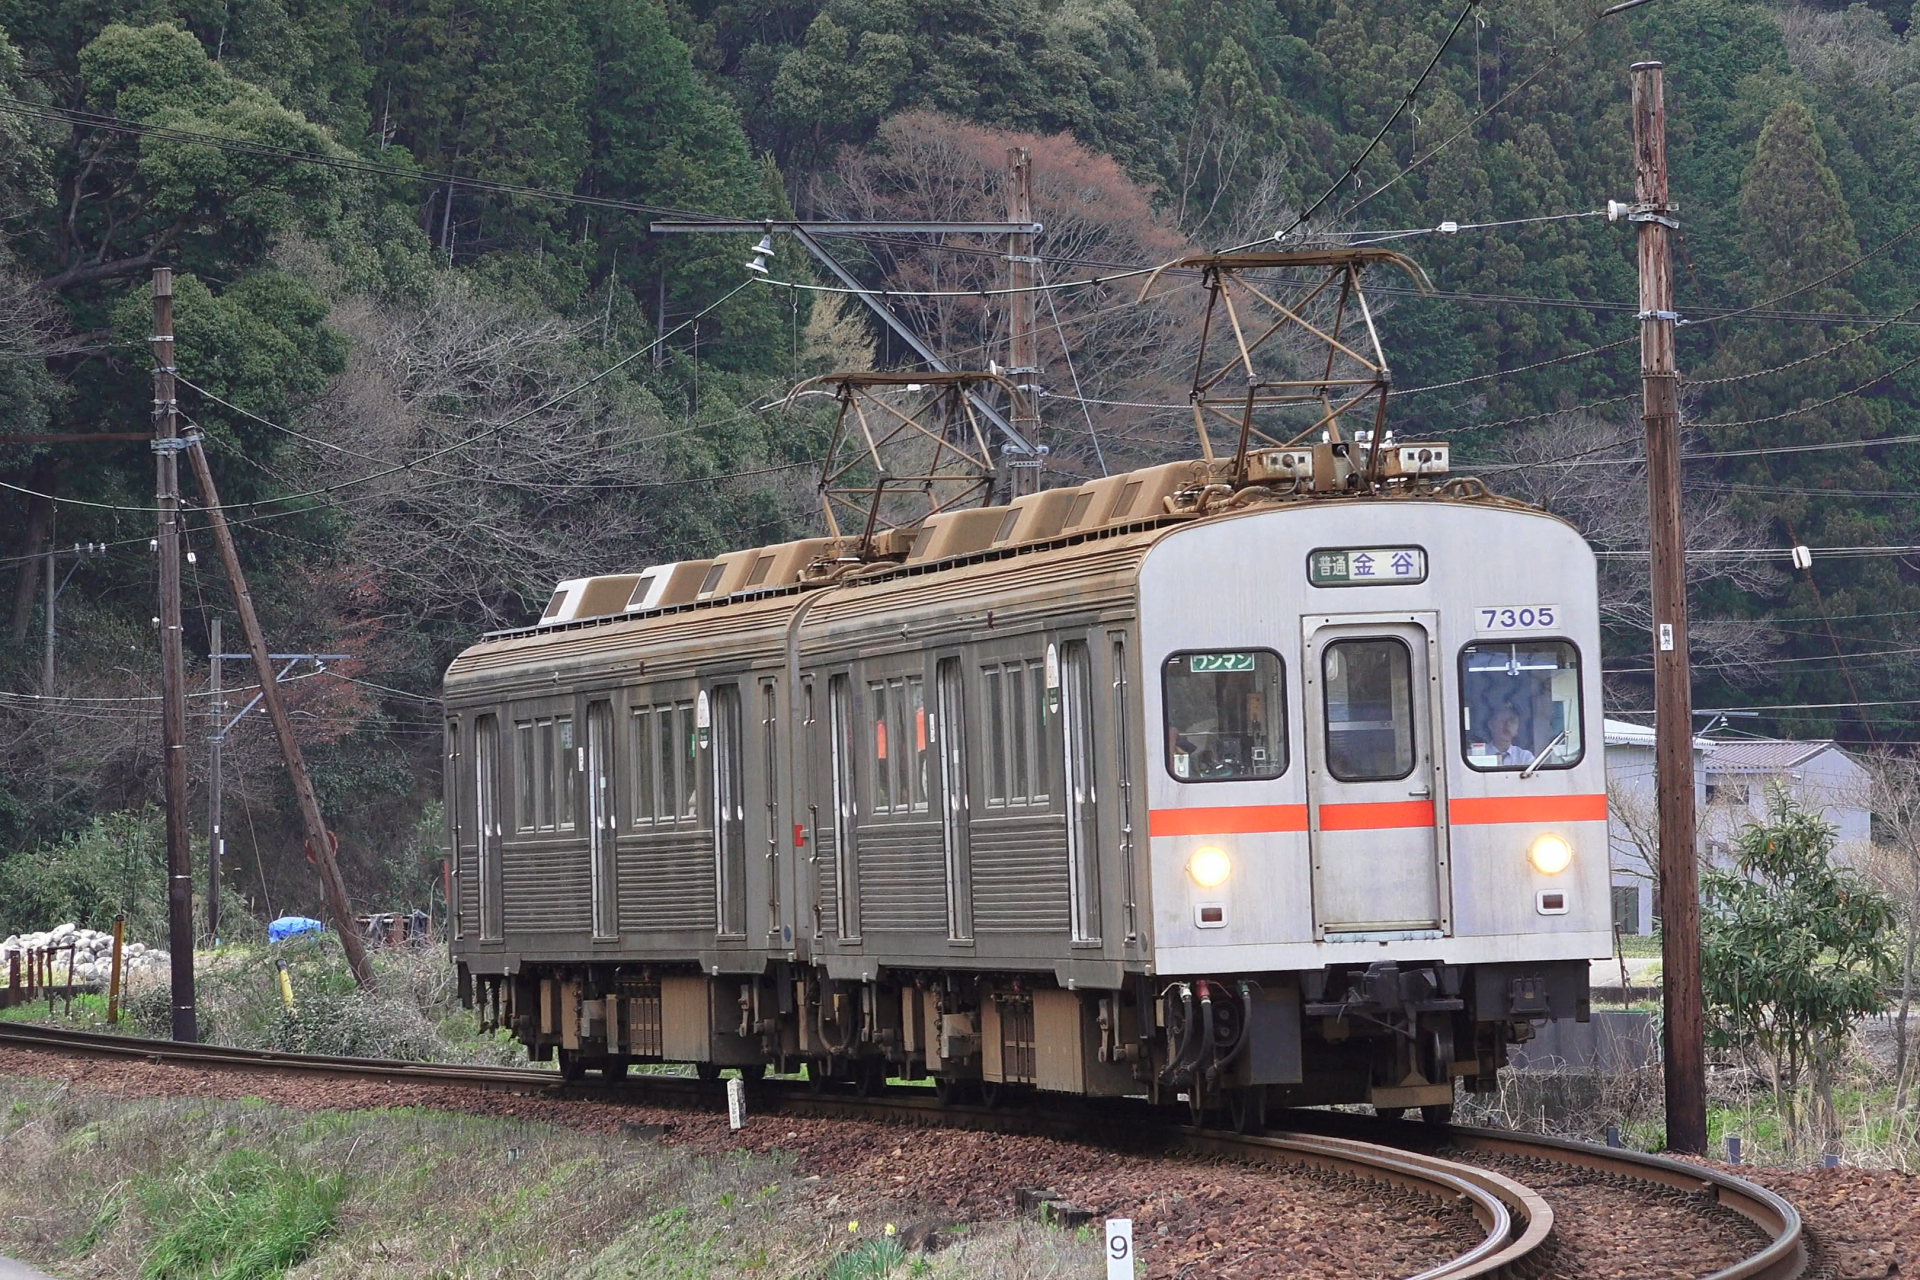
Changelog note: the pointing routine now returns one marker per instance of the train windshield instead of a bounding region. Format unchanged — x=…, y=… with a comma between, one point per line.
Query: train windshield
x=1225, y=716
x=1520, y=702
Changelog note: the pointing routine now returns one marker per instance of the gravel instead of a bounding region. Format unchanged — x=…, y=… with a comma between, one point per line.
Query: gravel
x=1208, y=1217
x=1213, y=1218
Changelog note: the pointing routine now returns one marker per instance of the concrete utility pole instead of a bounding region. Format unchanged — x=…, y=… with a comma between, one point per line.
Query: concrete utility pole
x=173, y=697
x=216, y=842
x=1685, y=1032
x=1023, y=348
x=320, y=848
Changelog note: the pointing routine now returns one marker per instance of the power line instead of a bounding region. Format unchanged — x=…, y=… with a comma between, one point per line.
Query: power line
x=1353, y=170
x=485, y=433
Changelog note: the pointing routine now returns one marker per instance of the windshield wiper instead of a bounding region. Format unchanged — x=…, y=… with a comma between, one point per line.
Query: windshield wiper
x=1558, y=738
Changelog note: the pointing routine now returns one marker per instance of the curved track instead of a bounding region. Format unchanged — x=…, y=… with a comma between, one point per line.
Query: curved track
x=1517, y=1221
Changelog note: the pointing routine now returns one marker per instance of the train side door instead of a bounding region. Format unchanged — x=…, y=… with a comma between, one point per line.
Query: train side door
x=729, y=811
x=950, y=732
x=1374, y=792
x=602, y=822
x=1077, y=781
x=486, y=834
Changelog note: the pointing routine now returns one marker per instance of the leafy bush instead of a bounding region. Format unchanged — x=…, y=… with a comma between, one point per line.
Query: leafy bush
x=115, y=863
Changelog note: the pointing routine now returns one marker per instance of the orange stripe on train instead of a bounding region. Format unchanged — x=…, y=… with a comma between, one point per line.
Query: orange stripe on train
x=1227, y=820
x=1255, y=819
x=1473, y=810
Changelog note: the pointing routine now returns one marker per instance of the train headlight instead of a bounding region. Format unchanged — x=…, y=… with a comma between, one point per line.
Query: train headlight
x=1550, y=854
x=1209, y=866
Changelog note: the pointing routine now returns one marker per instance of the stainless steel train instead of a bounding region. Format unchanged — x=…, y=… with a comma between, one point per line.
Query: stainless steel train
x=1229, y=784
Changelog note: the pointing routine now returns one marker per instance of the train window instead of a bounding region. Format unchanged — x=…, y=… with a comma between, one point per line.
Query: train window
x=565, y=773
x=666, y=775
x=899, y=745
x=1369, y=690
x=997, y=734
x=523, y=773
x=1226, y=715
x=643, y=767
x=1018, y=760
x=1520, y=701
x=543, y=773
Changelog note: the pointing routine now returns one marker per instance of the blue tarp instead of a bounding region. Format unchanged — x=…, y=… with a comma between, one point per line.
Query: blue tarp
x=293, y=926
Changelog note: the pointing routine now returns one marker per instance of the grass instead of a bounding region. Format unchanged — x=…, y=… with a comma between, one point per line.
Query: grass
x=191, y=1189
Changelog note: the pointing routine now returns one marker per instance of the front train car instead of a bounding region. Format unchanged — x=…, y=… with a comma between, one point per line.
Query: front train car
x=1378, y=834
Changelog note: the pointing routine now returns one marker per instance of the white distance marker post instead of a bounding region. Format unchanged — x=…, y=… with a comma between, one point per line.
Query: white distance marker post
x=1119, y=1249
x=737, y=1103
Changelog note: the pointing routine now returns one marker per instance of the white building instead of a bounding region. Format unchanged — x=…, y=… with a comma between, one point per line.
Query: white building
x=1820, y=776
x=1731, y=778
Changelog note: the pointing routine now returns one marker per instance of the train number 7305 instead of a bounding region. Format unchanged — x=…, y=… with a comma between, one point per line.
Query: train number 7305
x=1519, y=617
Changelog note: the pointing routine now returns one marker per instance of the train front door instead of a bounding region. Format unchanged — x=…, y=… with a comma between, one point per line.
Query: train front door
x=1374, y=792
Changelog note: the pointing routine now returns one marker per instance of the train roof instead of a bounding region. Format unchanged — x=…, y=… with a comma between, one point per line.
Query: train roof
x=1131, y=510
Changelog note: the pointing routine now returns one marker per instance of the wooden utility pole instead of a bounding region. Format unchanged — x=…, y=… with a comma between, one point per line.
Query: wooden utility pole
x=216, y=840
x=1685, y=1031
x=320, y=846
x=173, y=695
x=1023, y=347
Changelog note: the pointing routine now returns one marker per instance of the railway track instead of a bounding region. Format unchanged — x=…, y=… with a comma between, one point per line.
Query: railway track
x=1453, y=1165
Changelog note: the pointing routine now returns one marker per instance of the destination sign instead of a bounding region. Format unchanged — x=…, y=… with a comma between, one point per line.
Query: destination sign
x=1366, y=566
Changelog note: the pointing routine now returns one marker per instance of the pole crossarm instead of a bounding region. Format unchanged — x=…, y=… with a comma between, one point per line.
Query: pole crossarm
x=1281, y=372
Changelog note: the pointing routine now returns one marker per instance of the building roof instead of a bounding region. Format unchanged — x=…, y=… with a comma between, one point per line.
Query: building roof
x=1763, y=755
x=1619, y=733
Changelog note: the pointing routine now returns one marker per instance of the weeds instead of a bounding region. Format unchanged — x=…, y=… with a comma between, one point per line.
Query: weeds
x=251, y=1218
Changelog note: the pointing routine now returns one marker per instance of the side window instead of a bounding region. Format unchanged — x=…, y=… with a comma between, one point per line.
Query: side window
x=566, y=773
x=543, y=767
x=666, y=774
x=525, y=770
x=899, y=711
x=1369, y=688
x=1018, y=762
x=1226, y=715
x=645, y=779
x=1520, y=701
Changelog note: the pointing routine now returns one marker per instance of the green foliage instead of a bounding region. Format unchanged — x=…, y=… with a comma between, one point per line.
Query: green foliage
x=1793, y=948
x=251, y=1217
x=873, y=1259
x=116, y=863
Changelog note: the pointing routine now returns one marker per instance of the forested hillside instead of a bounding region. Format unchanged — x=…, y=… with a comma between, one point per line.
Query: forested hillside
x=441, y=363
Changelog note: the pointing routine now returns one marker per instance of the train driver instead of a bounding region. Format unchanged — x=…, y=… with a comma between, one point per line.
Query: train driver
x=1502, y=728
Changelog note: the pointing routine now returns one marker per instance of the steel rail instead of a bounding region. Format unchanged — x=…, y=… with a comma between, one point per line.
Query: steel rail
x=100, y=1045
x=1784, y=1258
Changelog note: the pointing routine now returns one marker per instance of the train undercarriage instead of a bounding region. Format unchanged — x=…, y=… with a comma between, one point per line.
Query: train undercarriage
x=1393, y=1034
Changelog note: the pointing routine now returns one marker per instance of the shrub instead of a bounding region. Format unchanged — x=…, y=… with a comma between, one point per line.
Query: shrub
x=115, y=863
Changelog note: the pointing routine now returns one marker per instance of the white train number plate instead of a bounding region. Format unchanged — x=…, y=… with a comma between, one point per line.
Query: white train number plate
x=1518, y=617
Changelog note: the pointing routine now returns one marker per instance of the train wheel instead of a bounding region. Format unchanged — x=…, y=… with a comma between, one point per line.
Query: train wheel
x=950, y=1091
x=614, y=1070
x=1391, y=1113
x=707, y=1071
x=818, y=1081
x=572, y=1070
x=992, y=1093
x=870, y=1077
x=754, y=1072
x=1439, y=1113
x=1247, y=1109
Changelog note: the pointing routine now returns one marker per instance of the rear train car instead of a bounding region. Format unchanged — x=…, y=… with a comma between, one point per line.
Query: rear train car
x=1216, y=792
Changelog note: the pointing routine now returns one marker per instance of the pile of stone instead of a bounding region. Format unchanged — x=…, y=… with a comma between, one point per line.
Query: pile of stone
x=92, y=953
